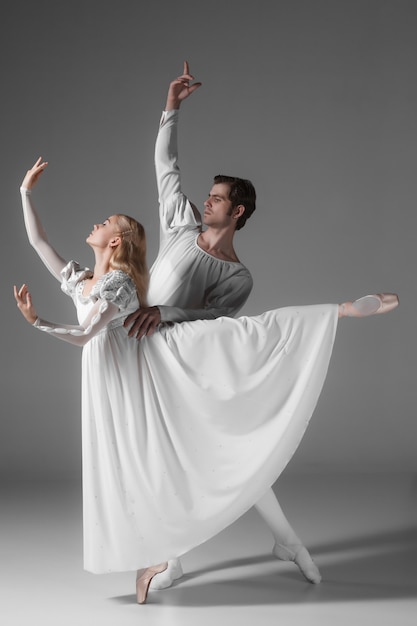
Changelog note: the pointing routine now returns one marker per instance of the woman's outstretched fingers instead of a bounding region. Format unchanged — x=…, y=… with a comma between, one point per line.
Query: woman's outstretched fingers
x=24, y=303
x=33, y=174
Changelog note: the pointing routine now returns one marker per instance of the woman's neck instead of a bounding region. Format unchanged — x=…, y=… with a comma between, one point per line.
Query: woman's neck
x=101, y=266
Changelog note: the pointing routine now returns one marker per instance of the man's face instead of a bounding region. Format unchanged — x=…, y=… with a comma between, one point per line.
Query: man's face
x=218, y=207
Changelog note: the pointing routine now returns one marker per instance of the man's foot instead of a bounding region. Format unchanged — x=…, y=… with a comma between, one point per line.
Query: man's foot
x=297, y=553
x=167, y=577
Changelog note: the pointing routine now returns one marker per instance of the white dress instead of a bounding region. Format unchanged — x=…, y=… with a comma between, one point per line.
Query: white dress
x=186, y=430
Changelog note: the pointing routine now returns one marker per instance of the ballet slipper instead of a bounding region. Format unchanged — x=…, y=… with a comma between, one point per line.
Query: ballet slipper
x=374, y=304
x=297, y=553
x=143, y=580
x=167, y=577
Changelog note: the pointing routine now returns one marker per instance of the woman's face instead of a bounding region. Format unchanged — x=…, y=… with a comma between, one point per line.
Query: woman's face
x=104, y=234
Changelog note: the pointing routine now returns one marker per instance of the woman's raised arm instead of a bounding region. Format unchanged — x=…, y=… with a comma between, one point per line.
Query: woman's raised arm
x=35, y=231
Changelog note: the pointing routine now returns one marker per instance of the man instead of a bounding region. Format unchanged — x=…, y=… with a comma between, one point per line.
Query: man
x=197, y=275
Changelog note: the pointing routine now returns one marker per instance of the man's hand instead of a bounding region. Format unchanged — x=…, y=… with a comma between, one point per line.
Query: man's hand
x=143, y=322
x=180, y=89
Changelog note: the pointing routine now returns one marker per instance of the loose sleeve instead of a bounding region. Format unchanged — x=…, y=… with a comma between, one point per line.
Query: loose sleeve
x=175, y=210
x=225, y=299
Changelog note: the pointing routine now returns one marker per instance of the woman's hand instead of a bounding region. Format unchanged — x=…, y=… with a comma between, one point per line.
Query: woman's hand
x=24, y=304
x=32, y=175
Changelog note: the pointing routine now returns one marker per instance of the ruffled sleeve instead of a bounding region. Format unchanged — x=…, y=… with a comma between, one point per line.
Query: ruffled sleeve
x=71, y=275
x=118, y=288
x=113, y=293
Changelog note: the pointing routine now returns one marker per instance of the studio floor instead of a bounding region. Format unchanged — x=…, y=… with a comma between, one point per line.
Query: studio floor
x=361, y=530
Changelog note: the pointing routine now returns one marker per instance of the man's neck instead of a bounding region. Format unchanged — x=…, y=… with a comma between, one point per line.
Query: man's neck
x=218, y=243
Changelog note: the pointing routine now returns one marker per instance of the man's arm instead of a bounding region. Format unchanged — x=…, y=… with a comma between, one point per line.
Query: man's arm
x=226, y=299
x=175, y=208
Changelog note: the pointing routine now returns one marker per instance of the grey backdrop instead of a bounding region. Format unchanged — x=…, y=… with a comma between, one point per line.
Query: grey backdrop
x=314, y=100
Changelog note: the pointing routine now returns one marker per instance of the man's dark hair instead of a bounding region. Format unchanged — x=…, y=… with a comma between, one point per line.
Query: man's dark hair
x=241, y=191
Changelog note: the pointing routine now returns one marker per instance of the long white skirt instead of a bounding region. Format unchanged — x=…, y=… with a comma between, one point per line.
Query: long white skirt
x=184, y=431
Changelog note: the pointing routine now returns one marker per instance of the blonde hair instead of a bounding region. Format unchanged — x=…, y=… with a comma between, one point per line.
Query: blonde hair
x=130, y=255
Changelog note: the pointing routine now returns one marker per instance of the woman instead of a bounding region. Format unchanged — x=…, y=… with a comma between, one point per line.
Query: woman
x=178, y=441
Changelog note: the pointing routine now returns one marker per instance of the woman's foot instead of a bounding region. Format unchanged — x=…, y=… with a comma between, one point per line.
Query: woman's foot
x=167, y=577
x=369, y=305
x=297, y=553
x=144, y=578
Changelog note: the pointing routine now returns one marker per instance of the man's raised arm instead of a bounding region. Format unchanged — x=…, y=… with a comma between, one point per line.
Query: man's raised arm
x=174, y=207
x=175, y=210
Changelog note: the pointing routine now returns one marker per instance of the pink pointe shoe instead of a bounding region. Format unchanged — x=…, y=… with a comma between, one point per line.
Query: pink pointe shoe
x=374, y=304
x=143, y=580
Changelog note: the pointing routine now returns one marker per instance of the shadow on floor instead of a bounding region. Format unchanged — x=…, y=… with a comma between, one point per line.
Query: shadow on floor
x=381, y=567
